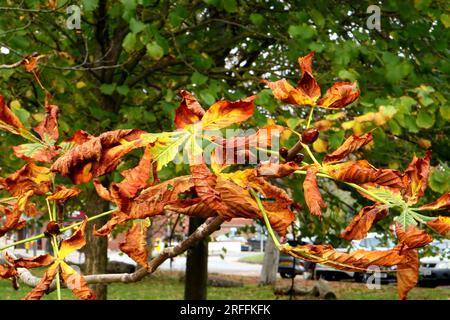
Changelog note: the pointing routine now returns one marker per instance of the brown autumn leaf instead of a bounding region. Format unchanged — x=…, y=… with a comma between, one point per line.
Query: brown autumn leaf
x=340, y=95
x=191, y=207
x=13, y=220
x=358, y=260
x=7, y=271
x=48, y=127
x=240, y=149
x=8, y=120
x=442, y=203
x=96, y=156
x=269, y=169
x=135, y=244
x=308, y=92
x=416, y=178
x=362, y=172
x=63, y=193
x=363, y=221
x=225, y=113
x=35, y=152
x=311, y=191
x=150, y=202
x=441, y=225
x=241, y=204
x=30, y=62
x=350, y=145
x=29, y=177
x=76, y=282
x=412, y=237
x=189, y=111
x=137, y=178
x=43, y=286
x=407, y=272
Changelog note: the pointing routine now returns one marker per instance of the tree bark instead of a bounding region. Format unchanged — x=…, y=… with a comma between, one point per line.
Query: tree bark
x=195, y=285
x=96, y=249
x=270, y=264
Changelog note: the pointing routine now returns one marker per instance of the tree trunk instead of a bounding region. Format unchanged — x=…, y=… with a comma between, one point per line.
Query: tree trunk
x=270, y=264
x=96, y=249
x=195, y=285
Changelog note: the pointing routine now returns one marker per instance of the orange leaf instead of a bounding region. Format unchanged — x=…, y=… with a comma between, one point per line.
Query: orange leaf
x=135, y=244
x=76, y=282
x=35, y=152
x=312, y=194
x=416, y=178
x=339, y=95
x=8, y=120
x=225, y=113
x=13, y=220
x=440, y=224
x=308, y=84
x=96, y=156
x=361, y=172
x=363, y=221
x=407, y=273
x=350, y=145
x=62, y=193
x=29, y=177
x=412, y=237
x=442, y=203
x=358, y=260
x=48, y=128
x=269, y=169
x=189, y=111
x=43, y=285
x=34, y=262
x=7, y=271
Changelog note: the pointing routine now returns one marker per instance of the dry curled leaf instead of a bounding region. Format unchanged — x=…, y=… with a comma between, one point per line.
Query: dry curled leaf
x=349, y=146
x=269, y=169
x=340, y=95
x=358, y=260
x=76, y=282
x=97, y=156
x=189, y=111
x=62, y=193
x=441, y=225
x=313, y=198
x=7, y=271
x=363, y=221
x=33, y=262
x=416, y=178
x=8, y=120
x=225, y=113
x=44, y=285
x=35, y=152
x=442, y=203
x=412, y=237
x=135, y=244
x=407, y=273
x=29, y=177
x=48, y=127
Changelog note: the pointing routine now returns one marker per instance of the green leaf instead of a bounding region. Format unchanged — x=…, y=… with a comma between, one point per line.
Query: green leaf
x=123, y=90
x=129, y=42
x=439, y=180
x=207, y=97
x=425, y=119
x=154, y=50
x=89, y=5
x=445, y=19
x=136, y=26
x=230, y=5
x=405, y=219
x=445, y=112
x=166, y=145
x=335, y=139
x=257, y=19
x=108, y=88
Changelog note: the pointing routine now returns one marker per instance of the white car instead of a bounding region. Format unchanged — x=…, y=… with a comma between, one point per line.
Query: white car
x=435, y=270
x=371, y=242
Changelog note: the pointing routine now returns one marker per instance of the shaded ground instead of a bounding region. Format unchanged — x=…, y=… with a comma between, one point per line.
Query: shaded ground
x=167, y=285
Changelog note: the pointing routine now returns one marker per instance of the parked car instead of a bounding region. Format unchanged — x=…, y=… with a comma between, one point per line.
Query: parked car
x=371, y=242
x=435, y=270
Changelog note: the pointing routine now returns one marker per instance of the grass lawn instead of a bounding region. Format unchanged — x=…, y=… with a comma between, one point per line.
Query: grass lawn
x=167, y=285
x=256, y=259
